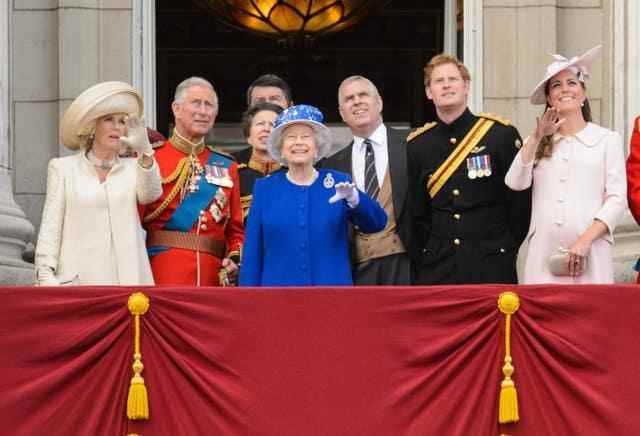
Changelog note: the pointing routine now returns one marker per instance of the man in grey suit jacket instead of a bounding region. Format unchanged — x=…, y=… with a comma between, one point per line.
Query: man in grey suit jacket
x=380, y=258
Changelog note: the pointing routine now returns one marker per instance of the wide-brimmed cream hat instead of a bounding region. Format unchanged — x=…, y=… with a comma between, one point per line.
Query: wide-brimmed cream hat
x=580, y=65
x=78, y=122
x=300, y=114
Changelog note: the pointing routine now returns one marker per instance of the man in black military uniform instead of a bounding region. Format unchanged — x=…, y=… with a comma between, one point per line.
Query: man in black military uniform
x=467, y=225
x=254, y=161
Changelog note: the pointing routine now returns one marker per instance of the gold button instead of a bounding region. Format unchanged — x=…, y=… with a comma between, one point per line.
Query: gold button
x=453, y=140
x=456, y=192
x=456, y=216
x=456, y=241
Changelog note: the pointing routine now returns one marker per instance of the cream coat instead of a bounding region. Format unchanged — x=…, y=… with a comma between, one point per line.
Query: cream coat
x=91, y=231
x=583, y=180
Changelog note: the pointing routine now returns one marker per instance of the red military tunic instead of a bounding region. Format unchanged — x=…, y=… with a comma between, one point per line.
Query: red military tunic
x=633, y=173
x=180, y=266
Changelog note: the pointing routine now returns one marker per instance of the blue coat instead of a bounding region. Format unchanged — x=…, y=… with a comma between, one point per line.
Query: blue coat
x=295, y=237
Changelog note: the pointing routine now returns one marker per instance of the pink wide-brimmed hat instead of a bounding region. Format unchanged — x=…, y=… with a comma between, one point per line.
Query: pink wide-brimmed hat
x=580, y=65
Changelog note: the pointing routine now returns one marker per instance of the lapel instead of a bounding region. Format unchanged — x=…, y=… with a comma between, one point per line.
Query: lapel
x=397, y=169
x=342, y=161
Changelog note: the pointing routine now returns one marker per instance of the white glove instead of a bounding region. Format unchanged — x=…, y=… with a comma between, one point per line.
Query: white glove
x=348, y=192
x=46, y=277
x=137, y=137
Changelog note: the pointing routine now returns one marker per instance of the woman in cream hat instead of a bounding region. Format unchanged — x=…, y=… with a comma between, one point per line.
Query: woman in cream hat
x=90, y=232
x=297, y=225
x=576, y=168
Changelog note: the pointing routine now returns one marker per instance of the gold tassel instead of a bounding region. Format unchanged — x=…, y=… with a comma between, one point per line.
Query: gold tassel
x=137, y=401
x=508, y=303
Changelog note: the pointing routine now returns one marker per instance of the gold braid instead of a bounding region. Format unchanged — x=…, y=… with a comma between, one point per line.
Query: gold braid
x=182, y=172
x=171, y=177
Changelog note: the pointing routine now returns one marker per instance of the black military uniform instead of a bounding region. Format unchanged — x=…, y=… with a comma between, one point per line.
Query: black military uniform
x=249, y=171
x=471, y=230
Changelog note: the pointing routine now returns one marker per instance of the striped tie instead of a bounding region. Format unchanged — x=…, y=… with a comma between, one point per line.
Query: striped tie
x=370, y=177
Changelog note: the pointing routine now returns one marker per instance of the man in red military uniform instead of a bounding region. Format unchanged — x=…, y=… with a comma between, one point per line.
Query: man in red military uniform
x=194, y=230
x=633, y=177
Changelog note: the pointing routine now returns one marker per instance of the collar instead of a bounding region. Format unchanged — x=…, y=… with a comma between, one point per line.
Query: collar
x=263, y=167
x=377, y=138
x=460, y=124
x=184, y=145
x=589, y=136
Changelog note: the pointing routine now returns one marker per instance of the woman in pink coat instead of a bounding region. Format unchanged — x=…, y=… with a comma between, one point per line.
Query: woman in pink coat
x=579, y=186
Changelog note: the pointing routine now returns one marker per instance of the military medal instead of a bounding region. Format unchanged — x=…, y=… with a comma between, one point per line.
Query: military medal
x=217, y=174
x=472, y=171
x=486, y=161
x=208, y=174
x=220, y=198
x=194, y=179
x=479, y=168
x=328, y=181
x=215, y=212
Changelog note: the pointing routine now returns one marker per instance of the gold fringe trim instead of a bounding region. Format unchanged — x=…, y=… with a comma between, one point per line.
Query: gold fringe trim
x=182, y=173
x=137, y=400
x=508, y=303
x=420, y=130
x=495, y=117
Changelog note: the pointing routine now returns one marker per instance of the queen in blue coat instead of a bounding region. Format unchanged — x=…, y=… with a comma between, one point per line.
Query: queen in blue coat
x=297, y=226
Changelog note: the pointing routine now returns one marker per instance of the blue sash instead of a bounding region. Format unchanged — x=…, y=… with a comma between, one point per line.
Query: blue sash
x=189, y=209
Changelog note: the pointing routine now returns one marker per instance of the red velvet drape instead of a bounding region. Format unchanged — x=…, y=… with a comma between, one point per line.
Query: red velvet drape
x=320, y=361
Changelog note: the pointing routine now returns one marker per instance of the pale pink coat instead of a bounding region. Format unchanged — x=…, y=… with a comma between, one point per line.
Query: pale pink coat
x=583, y=180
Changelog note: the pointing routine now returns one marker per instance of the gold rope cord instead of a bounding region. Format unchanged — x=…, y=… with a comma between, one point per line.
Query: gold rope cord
x=182, y=172
x=137, y=400
x=508, y=303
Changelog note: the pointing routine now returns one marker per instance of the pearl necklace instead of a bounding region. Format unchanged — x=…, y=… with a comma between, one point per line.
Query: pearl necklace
x=105, y=164
x=308, y=182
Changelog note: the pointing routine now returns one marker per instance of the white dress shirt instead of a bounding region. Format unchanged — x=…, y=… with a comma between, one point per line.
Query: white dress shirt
x=379, y=144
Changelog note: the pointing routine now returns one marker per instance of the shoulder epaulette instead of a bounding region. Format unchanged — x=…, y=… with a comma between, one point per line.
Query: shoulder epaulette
x=221, y=153
x=420, y=130
x=494, y=117
x=157, y=144
x=242, y=165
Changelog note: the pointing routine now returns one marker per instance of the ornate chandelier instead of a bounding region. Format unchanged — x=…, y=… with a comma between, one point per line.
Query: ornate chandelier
x=292, y=19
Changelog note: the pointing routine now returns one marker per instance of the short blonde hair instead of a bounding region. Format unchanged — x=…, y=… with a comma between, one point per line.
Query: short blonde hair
x=443, y=59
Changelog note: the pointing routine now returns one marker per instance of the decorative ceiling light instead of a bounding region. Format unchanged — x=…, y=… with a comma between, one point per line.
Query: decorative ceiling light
x=292, y=19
